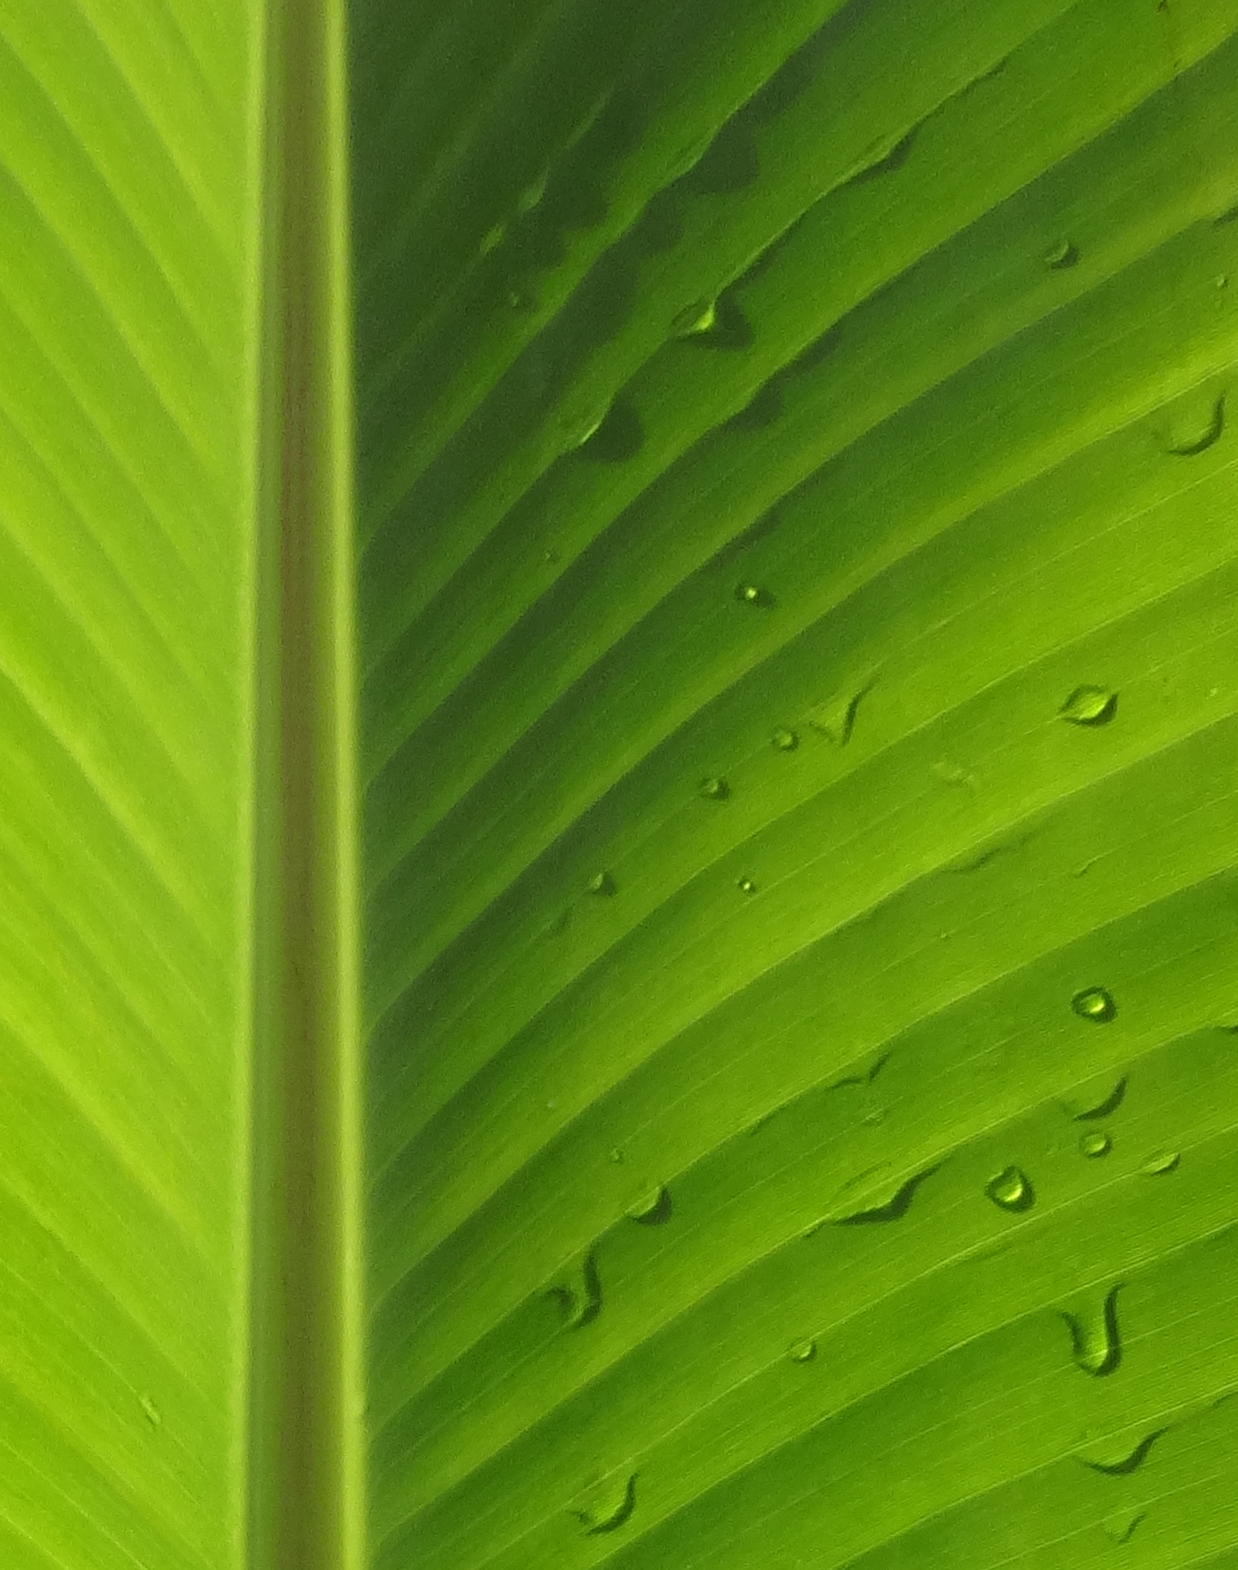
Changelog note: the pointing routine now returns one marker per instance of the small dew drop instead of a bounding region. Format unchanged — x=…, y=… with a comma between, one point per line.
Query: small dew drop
x=153, y=1416
x=1160, y=1163
x=785, y=740
x=580, y=1301
x=1095, y=1004
x=612, y=1509
x=652, y=1208
x=802, y=1351
x=1195, y=427
x=1061, y=255
x=1119, y=1526
x=714, y=788
x=752, y=594
x=1011, y=1190
x=746, y=886
x=616, y=1155
x=1090, y=706
x=1221, y=280
x=601, y=883
x=1095, y=1143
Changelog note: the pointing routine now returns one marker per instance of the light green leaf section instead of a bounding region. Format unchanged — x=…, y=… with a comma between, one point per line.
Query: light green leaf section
x=128, y=299
x=799, y=482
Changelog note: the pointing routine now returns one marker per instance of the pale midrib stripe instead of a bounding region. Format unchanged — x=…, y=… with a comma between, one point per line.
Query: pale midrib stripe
x=729, y=1000
x=746, y=1266
x=939, y=1267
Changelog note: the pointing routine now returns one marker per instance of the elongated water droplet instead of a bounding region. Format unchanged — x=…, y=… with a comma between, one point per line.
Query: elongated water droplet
x=785, y=740
x=1096, y=1143
x=612, y=1508
x=153, y=1416
x=1011, y=1190
x=835, y=718
x=601, y=883
x=699, y=317
x=1119, y=1526
x=1162, y=1162
x=747, y=886
x=1125, y=1461
x=1090, y=706
x=1061, y=255
x=893, y=1209
x=1106, y=1105
x=715, y=789
x=1095, y=1340
x=580, y=1300
x=1196, y=426
x=1095, y=1004
x=753, y=594
x=802, y=1351
x=652, y=1208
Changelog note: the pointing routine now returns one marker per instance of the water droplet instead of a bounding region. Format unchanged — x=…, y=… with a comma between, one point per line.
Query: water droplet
x=893, y=1209
x=1221, y=280
x=1195, y=427
x=1158, y=1164
x=1096, y=1143
x=612, y=1508
x=835, y=718
x=601, y=883
x=1095, y=1004
x=746, y=886
x=1095, y=1341
x=581, y=1299
x=616, y=1155
x=153, y=1416
x=1090, y=706
x=652, y=1208
x=751, y=594
x=1119, y=1526
x=802, y=1351
x=785, y=740
x=715, y=789
x=1062, y=254
x=699, y=317
x=1105, y=1106
x=1126, y=1461
x=492, y=239
x=1011, y=1190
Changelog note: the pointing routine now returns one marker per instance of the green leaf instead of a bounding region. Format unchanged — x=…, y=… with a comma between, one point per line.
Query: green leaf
x=620, y=704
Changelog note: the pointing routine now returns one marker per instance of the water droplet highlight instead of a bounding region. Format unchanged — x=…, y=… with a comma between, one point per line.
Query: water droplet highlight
x=153, y=1416
x=699, y=317
x=616, y=1155
x=802, y=1351
x=1094, y=1144
x=714, y=788
x=1062, y=254
x=611, y=1511
x=652, y=1208
x=601, y=883
x=1162, y=1162
x=1095, y=1341
x=753, y=594
x=746, y=886
x=1196, y=427
x=1090, y=706
x=1095, y=1004
x=785, y=740
x=1011, y=1190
